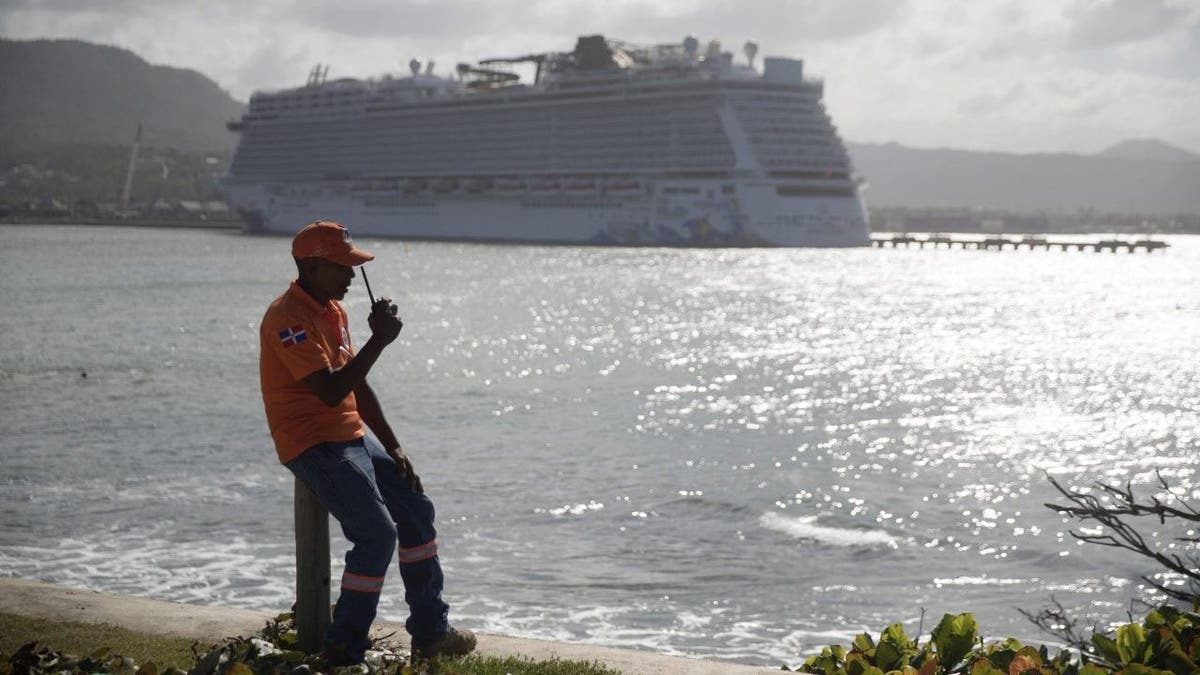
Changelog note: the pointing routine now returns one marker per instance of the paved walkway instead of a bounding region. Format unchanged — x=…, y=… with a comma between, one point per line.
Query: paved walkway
x=38, y=599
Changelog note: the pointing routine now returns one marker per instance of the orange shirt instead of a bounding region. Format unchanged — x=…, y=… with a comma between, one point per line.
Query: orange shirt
x=299, y=337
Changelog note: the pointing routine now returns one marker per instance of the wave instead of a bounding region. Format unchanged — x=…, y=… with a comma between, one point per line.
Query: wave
x=806, y=527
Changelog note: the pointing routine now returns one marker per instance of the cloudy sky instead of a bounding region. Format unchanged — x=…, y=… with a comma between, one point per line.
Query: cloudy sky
x=1003, y=75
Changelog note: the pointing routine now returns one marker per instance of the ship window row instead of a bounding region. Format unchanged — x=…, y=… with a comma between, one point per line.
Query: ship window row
x=566, y=124
x=537, y=164
x=592, y=111
x=782, y=120
x=436, y=136
x=785, y=124
x=777, y=109
x=607, y=131
x=776, y=163
x=774, y=97
x=790, y=132
x=819, y=160
x=805, y=164
x=452, y=133
x=605, y=136
x=597, y=110
x=776, y=102
x=298, y=161
x=802, y=122
x=777, y=150
x=493, y=127
x=587, y=154
x=438, y=143
x=432, y=137
x=777, y=118
x=801, y=159
x=806, y=137
x=319, y=152
x=794, y=140
x=783, y=104
x=312, y=98
x=789, y=156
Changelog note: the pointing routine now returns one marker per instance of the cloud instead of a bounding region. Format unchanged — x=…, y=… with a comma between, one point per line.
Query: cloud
x=781, y=21
x=1106, y=23
x=1021, y=75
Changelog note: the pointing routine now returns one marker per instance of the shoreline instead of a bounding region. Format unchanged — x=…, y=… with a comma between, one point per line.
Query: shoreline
x=204, y=622
x=167, y=223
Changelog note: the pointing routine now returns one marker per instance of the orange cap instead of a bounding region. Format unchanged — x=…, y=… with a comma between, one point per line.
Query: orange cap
x=329, y=241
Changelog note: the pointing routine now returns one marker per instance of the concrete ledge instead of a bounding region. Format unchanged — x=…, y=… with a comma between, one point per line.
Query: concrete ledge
x=50, y=601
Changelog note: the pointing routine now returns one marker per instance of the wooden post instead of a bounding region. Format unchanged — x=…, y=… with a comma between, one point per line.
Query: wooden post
x=312, y=569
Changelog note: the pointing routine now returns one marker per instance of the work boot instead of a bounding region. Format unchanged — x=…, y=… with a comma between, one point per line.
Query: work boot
x=337, y=656
x=456, y=642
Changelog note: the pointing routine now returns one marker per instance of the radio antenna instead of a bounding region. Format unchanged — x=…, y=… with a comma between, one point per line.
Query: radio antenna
x=370, y=295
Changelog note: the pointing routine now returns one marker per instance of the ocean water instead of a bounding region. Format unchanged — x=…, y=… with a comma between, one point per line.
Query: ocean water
x=735, y=454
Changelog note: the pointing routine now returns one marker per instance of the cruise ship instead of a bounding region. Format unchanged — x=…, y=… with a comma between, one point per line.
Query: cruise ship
x=610, y=143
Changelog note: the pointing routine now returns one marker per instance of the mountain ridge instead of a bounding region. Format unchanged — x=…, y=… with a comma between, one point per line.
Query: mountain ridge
x=1044, y=182
x=1149, y=149
x=71, y=91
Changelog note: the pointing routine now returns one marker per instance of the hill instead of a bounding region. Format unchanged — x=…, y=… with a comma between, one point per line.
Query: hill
x=65, y=92
x=1060, y=183
x=1149, y=148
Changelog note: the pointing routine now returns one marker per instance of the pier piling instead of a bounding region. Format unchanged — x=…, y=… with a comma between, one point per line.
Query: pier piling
x=312, y=569
x=1002, y=242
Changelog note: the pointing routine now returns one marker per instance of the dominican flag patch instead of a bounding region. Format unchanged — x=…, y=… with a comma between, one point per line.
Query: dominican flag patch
x=293, y=335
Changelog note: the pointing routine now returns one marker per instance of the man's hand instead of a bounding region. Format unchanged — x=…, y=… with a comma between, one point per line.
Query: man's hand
x=405, y=468
x=383, y=321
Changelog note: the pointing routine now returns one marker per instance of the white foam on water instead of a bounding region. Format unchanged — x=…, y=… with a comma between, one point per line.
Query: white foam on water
x=978, y=580
x=230, y=571
x=806, y=528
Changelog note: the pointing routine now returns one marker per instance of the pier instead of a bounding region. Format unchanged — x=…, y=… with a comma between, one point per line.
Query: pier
x=1002, y=242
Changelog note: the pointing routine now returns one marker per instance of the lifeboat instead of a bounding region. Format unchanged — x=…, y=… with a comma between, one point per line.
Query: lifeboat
x=510, y=185
x=622, y=186
x=446, y=185
x=479, y=185
x=544, y=185
x=579, y=186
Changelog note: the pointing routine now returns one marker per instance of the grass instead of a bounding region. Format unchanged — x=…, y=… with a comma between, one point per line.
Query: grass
x=81, y=639
x=76, y=637
x=485, y=665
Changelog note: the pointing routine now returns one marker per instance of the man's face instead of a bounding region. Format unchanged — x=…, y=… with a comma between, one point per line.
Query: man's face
x=332, y=279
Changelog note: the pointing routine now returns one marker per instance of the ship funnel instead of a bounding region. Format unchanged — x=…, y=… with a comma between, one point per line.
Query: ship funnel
x=690, y=45
x=429, y=68
x=713, y=51
x=415, y=67
x=750, y=50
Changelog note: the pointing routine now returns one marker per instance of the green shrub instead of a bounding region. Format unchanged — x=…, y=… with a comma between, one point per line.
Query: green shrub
x=1164, y=643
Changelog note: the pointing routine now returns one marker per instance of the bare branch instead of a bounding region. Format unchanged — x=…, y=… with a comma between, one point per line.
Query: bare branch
x=1116, y=532
x=1056, y=622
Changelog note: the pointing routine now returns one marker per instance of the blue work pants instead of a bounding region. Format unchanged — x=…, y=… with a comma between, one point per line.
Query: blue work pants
x=378, y=510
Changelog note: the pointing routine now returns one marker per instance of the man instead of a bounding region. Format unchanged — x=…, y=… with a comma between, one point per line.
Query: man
x=315, y=391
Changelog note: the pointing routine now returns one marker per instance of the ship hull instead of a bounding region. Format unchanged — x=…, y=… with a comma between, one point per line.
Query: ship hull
x=651, y=213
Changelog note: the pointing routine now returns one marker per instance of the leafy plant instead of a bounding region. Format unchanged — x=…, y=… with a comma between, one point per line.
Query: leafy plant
x=1166, y=642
